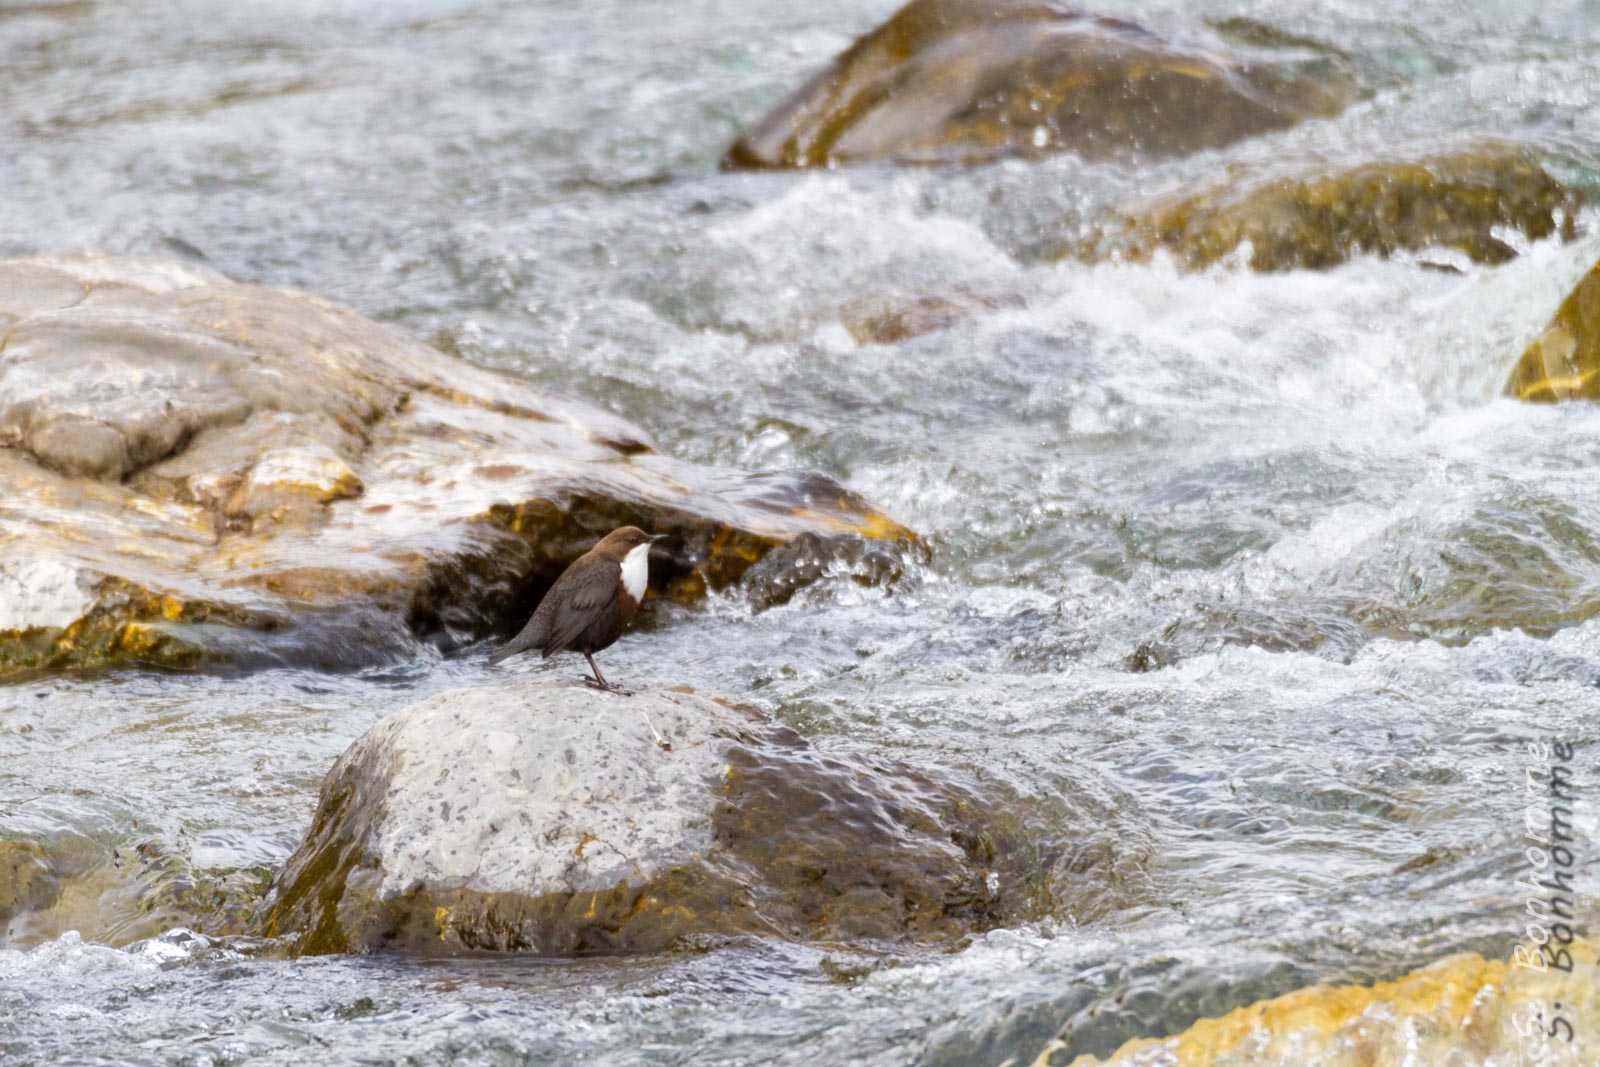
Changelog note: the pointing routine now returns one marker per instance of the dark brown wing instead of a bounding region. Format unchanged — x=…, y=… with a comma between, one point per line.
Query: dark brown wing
x=576, y=600
x=582, y=589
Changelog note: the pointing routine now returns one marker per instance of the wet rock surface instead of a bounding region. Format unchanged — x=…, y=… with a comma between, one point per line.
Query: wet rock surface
x=1563, y=362
x=1312, y=216
x=547, y=819
x=201, y=472
x=972, y=80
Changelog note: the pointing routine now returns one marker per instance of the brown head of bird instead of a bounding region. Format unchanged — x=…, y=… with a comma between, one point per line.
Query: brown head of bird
x=592, y=602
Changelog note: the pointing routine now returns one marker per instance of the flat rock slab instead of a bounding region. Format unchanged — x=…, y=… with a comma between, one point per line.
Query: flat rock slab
x=546, y=818
x=199, y=472
x=974, y=80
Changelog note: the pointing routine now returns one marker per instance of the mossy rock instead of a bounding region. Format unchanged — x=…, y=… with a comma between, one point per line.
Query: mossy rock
x=1312, y=216
x=974, y=80
x=548, y=819
x=200, y=473
x=1563, y=362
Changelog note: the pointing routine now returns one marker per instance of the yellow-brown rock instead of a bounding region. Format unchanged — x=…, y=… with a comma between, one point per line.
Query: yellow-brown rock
x=1465, y=1010
x=972, y=80
x=1563, y=362
x=1311, y=215
x=197, y=471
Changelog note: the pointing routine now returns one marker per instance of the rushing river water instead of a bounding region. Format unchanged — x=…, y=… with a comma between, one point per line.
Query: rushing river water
x=1249, y=587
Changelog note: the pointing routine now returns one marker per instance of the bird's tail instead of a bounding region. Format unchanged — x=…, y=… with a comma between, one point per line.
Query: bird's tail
x=531, y=636
x=520, y=643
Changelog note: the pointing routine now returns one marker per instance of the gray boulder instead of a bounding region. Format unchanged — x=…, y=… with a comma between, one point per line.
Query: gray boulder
x=548, y=819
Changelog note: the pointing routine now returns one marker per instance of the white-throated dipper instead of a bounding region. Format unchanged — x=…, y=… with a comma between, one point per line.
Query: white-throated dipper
x=591, y=603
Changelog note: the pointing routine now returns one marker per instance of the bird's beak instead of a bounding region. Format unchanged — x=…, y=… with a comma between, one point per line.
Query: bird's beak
x=658, y=537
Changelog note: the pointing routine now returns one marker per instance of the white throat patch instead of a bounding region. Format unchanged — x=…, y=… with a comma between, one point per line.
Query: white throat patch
x=636, y=572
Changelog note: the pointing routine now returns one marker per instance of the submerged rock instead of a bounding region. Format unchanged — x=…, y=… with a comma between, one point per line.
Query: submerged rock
x=199, y=472
x=27, y=884
x=547, y=819
x=810, y=559
x=890, y=318
x=1464, y=1010
x=1317, y=218
x=1563, y=362
x=1319, y=625
x=115, y=896
x=972, y=80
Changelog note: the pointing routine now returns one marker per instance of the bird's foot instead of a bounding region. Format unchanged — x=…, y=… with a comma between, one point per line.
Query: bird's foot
x=607, y=687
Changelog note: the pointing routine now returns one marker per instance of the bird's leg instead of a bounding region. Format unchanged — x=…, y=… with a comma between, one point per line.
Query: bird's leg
x=599, y=679
x=605, y=686
x=599, y=682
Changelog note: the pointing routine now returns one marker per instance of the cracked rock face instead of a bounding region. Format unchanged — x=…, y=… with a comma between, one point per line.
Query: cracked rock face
x=974, y=80
x=546, y=819
x=200, y=472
